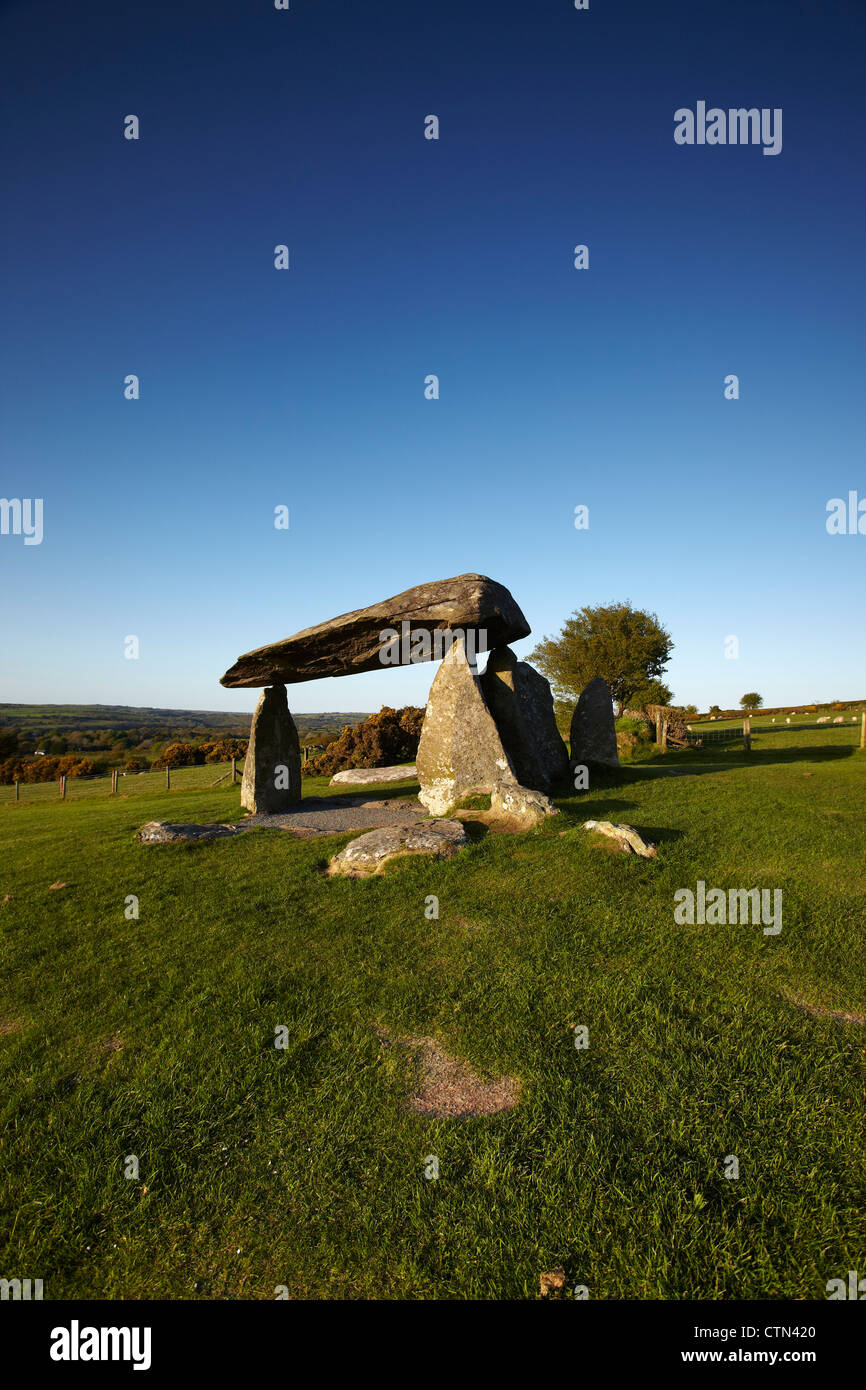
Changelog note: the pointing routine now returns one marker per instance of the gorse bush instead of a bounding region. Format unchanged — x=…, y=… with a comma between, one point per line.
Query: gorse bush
x=194, y=754
x=391, y=736
x=47, y=769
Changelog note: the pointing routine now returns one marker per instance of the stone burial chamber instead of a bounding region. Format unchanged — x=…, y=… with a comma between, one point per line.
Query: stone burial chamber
x=486, y=734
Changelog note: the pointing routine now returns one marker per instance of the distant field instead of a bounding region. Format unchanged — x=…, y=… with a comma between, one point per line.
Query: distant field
x=764, y=723
x=36, y=718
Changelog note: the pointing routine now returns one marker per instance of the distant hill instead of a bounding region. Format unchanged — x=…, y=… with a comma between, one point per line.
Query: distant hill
x=150, y=722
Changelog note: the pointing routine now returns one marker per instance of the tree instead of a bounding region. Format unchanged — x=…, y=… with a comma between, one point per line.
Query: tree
x=752, y=700
x=714, y=709
x=656, y=693
x=626, y=646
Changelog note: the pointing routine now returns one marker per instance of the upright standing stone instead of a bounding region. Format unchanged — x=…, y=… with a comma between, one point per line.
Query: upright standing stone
x=520, y=700
x=460, y=749
x=272, y=771
x=593, y=733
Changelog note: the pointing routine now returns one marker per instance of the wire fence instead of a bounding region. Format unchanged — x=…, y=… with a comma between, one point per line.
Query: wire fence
x=125, y=784
x=701, y=734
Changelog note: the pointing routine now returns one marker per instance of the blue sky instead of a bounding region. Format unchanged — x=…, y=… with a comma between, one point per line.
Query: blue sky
x=305, y=387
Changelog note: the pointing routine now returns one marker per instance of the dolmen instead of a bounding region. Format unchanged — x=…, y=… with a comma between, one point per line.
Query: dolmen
x=495, y=733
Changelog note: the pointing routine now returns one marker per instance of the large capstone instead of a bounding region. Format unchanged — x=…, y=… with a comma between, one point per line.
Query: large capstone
x=593, y=732
x=415, y=625
x=521, y=703
x=460, y=750
x=272, y=771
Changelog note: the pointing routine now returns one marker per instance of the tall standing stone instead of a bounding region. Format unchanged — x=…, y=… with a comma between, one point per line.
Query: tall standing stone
x=460, y=749
x=593, y=733
x=520, y=700
x=272, y=771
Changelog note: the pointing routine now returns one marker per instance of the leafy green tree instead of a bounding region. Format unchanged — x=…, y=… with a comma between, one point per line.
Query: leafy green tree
x=626, y=646
x=655, y=693
x=752, y=700
x=714, y=709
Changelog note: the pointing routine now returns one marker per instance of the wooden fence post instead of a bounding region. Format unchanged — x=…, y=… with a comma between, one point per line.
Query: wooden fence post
x=168, y=779
x=62, y=786
x=234, y=770
x=664, y=738
x=747, y=735
x=17, y=790
x=863, y=729
x=114, y=781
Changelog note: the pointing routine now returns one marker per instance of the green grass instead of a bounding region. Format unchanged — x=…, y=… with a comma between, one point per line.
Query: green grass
x=302, y=1167
x=133, y=784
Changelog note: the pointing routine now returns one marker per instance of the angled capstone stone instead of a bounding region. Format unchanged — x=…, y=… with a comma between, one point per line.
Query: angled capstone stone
x=272, y=771
x=521, y=703
x=460, y=750
x=593, y=732
x=470, y=605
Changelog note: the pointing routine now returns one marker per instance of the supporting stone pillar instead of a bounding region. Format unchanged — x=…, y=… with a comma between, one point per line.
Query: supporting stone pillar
x=520, y=700
x=272, y=771
x=460, y=750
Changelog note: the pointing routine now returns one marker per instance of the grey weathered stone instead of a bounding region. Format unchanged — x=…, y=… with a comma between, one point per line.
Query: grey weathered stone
x=521, y=803
x=371, y=852
x=163, y=832
x=460, y=750
x=363, y=776
x=628, y=837
x=272, y=771
x=316, y=815
x=593, y=733
x=521, y=703
x=352, y=642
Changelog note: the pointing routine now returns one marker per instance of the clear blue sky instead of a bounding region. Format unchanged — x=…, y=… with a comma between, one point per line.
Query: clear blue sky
x=408, y=257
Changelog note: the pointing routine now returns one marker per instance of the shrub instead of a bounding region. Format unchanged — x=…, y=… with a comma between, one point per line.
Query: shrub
x=391, y=736
x=176, y=755
x=224, y=750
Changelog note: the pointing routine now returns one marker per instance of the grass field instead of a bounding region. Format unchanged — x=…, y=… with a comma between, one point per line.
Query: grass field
x=301, y=1167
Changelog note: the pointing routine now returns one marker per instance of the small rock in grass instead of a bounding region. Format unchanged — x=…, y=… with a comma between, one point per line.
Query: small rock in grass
x=553, y=1282
x=371, y=852
x=521, y=803
x=628, y=837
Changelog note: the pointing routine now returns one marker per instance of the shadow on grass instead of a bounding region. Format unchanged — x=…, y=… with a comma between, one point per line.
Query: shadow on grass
x=606, y=809
x=697, y=763
x=387, y=792
x=476, y=830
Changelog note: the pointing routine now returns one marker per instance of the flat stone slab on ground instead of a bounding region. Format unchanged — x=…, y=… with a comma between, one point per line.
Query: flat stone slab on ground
x=163, y=832
x=361, y=776
x=332, y=815
x=370, y=853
